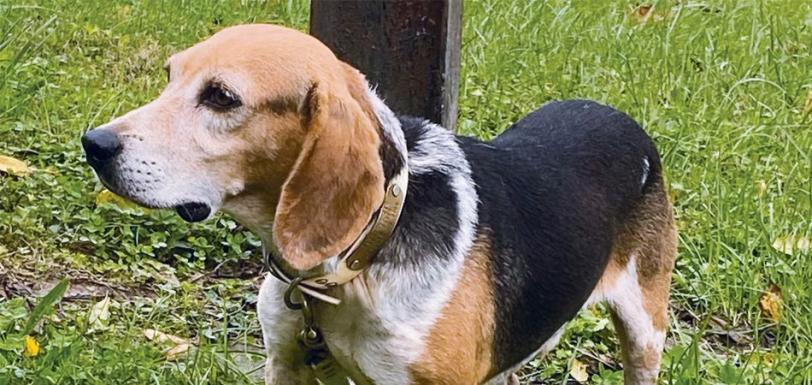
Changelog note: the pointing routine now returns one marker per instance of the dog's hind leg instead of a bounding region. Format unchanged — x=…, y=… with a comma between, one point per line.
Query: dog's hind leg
x=640, y=317
x=636, y=286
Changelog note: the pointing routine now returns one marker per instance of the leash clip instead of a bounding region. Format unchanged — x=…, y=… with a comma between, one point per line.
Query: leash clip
x=317, y=355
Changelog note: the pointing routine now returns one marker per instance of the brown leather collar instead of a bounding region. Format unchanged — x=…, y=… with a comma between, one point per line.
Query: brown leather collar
x=356, y=258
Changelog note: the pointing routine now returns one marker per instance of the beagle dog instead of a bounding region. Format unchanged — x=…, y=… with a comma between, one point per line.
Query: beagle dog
x=494, y=246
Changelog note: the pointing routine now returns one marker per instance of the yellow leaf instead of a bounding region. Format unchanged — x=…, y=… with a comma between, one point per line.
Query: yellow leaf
x=578, y=371
x=13, y=166
x=107, y=197
x=31, y=348
x=767, y=358
x=792, y=245
x=761, y=187
x=771, y=302
x=808, y=104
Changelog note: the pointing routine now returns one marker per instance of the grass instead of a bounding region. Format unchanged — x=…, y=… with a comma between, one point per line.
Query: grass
x=720, y=87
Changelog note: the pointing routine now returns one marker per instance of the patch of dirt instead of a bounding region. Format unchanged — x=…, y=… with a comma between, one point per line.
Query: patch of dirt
x=84, y=286
x=721, y=335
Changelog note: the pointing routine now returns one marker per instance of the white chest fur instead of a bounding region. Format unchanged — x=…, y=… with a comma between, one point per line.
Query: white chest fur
x=379, y=329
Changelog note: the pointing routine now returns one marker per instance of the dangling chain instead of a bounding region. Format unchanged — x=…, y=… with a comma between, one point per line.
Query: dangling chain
x=317, y=355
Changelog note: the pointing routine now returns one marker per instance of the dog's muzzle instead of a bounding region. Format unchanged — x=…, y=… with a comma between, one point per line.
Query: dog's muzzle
x=102, y=146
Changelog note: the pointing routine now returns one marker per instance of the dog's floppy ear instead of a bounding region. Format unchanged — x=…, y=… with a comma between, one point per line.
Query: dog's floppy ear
x=337, y=182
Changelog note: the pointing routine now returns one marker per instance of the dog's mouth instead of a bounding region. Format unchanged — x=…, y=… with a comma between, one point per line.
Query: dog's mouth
x=188, y=211
x=193, y=211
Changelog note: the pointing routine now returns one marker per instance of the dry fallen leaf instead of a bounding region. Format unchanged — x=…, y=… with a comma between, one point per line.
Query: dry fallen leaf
x=99, y=314
x=161, y=273
x=13, y=166
x=646, y=12
x=159, y=336
x=578, y=371
x=771, y=302
x=180, y=345
x=31, y=348
x=175, y=352
x=792, y=245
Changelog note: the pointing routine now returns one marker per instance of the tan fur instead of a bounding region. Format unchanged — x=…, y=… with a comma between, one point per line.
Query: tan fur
x=458, y=350
x=650, y=236
x=654, y=236
x=359, y=90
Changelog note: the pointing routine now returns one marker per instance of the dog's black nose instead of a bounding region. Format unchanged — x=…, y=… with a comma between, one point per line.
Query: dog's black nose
x=100, y=146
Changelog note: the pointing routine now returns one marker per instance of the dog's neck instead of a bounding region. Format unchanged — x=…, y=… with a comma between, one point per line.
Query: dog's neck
x=440, y=209
x=441, y=204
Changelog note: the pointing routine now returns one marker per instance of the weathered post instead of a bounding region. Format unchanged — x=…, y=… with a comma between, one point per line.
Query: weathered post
x=409, y=49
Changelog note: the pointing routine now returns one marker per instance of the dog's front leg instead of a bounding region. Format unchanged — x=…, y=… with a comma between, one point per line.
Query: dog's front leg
x=280, y=325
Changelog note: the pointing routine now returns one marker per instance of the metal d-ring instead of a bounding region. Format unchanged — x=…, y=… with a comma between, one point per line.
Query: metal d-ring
x=304, y=306
x=294, y=284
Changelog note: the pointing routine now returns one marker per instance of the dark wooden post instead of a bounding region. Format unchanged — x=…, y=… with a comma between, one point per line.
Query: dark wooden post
x=409, y=49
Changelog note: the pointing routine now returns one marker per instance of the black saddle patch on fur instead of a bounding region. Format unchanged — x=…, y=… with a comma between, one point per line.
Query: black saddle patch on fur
x=553, y=189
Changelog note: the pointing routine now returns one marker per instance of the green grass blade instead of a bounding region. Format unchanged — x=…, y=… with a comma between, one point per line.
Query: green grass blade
x=46, y=303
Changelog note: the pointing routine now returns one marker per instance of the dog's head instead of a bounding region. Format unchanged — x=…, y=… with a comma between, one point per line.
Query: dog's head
x=263, y=122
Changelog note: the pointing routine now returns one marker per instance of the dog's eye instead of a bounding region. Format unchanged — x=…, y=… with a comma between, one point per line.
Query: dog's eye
x=219, y=98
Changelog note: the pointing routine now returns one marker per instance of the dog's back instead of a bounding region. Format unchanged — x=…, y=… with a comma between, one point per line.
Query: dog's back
x=557, y=189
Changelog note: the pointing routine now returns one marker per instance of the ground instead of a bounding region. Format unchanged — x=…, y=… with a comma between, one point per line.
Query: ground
x=724, y=89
